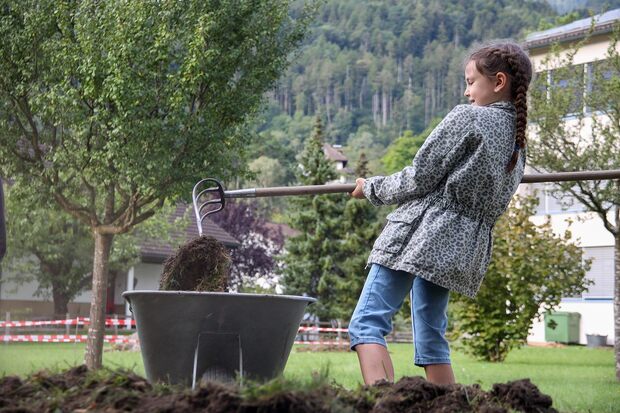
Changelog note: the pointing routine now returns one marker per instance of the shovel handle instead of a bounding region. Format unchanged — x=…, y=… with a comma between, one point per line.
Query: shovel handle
x=290, y=191
x=348, y=188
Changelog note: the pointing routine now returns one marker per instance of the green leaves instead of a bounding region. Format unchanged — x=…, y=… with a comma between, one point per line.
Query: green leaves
x=530, y=271
x=149, y=96
x=327, y=259
x=575, y=117
x=402, y=151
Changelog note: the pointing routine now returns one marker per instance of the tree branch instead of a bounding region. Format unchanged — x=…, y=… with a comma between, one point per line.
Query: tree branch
x=588, y=199
x=108, y=214
x=92, y=192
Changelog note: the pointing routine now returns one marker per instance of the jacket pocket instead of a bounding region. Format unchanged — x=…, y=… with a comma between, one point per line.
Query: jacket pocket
x=395, y=235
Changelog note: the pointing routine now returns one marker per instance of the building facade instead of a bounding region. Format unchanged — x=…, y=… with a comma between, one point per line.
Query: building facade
x=595, y=306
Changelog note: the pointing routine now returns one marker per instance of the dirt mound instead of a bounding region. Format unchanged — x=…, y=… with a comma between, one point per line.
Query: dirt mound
x=200, y=265
x=78, y=390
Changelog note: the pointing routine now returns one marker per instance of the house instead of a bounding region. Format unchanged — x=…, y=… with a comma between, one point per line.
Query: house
x=20, y=301
x=596, y=305
x=335, y=155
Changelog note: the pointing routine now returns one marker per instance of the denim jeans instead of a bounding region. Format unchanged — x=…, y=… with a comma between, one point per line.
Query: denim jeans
x=382, y=296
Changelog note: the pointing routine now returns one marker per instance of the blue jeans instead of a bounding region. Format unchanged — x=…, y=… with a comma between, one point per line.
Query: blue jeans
x=382, y=296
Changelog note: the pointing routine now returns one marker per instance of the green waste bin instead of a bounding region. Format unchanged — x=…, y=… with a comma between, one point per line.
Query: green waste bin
x=562, y=327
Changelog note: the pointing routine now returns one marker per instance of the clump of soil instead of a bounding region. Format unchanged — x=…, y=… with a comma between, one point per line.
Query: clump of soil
x=202, y=264
x=81, y=390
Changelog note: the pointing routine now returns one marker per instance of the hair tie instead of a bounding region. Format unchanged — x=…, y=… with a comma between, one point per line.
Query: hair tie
x=517, y=147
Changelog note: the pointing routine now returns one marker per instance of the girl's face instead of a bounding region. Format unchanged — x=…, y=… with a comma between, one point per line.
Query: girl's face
x=483, y=90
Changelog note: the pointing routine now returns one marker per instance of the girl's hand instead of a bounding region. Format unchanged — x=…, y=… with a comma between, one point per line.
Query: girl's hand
x=358, y=192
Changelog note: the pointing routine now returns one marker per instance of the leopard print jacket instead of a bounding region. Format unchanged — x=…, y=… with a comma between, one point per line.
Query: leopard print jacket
x=450, y=198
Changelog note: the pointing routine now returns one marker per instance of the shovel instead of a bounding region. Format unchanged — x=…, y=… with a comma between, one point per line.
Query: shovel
x=205, y=187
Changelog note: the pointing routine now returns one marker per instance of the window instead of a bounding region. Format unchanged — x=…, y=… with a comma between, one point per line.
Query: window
x=566, y=84
x=602, y=272
x=551, y=202
x=598, y=76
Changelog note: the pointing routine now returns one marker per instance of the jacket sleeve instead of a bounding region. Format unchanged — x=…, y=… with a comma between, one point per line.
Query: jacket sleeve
x=444, y=148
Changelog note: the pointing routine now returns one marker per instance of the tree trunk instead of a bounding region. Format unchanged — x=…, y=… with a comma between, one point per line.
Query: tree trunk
x=94, y=343
x=61, y=301
x=617, y=297
x=384, y=108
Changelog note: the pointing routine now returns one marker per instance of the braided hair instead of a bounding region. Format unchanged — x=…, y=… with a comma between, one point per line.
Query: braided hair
x=512, y=60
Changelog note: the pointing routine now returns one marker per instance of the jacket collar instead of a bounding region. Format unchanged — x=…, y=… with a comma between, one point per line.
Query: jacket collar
x=505, y=105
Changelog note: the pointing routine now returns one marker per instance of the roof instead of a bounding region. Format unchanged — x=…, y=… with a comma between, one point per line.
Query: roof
x=286, y=230
x=333, y=154
x=155, y=251
x=603, y=23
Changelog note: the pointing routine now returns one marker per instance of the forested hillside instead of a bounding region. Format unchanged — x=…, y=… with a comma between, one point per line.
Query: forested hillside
x=373, y=69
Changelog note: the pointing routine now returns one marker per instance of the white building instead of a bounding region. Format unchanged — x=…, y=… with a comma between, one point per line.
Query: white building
x=596, y=305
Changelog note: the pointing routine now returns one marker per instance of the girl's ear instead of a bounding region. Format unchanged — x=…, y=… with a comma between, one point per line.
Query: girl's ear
x=501, y=80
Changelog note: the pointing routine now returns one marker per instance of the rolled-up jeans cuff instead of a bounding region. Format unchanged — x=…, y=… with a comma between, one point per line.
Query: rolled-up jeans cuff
x=366, y=340
x=426, y=361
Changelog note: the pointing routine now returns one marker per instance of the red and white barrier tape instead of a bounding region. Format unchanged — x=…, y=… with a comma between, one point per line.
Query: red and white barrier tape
x=63, y=338
x=116, y=339
x=324, y=329
x=125, y=322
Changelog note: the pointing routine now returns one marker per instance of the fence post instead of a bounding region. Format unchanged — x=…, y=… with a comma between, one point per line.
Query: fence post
x=67, y=324
x=339, y=324
x=7, y=329
x=115, y=324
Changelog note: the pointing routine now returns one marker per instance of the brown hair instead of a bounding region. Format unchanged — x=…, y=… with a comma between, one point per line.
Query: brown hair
x=511, y=59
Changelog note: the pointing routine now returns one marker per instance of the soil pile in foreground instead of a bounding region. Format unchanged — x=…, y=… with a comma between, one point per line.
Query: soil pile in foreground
x=111, y=391
x=202, y=264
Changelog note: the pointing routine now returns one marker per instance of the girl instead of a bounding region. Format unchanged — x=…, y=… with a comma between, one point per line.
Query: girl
x=439, y=238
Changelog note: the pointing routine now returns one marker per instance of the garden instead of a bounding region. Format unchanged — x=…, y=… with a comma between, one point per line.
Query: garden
x=577, y=379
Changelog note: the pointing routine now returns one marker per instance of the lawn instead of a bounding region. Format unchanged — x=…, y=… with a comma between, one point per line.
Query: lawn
x=579, y=379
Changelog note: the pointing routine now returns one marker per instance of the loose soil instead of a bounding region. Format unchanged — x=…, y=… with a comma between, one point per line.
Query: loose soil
x=78, y=390
x=202, y=264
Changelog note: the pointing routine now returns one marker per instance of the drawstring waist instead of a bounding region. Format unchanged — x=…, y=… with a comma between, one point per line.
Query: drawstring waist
x=439, y=201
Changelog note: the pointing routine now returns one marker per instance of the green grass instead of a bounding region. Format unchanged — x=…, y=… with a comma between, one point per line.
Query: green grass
x=579, y=379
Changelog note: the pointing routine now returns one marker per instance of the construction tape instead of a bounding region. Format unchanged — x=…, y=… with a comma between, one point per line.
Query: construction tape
x=324, y=329
x=125, y=322
x=128, y=322
x=62, y=338
x=114, y=339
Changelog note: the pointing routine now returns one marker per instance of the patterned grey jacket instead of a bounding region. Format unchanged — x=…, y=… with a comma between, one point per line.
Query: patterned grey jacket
x=450, y=198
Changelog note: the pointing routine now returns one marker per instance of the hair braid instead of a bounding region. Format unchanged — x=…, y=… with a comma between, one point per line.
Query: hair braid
x=519, y=88
x=509, y=58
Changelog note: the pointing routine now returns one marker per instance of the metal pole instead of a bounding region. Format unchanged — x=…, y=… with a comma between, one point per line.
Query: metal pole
x=572, y=176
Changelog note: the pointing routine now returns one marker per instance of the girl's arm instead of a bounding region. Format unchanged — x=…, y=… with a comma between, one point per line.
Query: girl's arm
x=449, y=142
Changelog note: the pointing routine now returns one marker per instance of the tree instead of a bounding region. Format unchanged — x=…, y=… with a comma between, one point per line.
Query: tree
x=111, y=108
x=360, y=226
x=531, y=270
x=49, y=246
x=589, y=141
x=54, y=249
x=310, y=257
x=402, y=151
x=260, y=243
